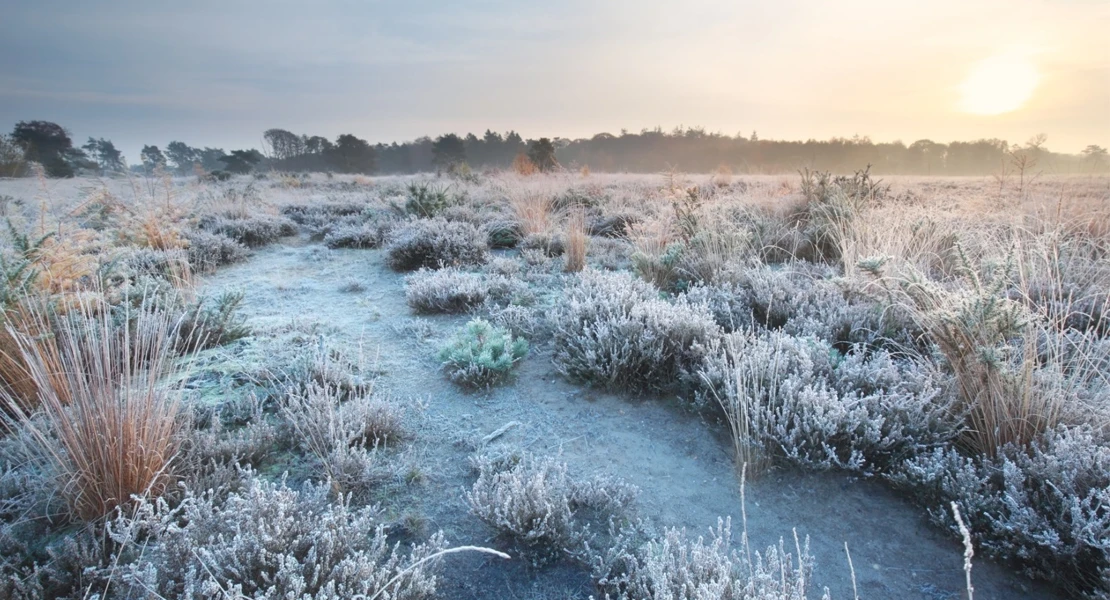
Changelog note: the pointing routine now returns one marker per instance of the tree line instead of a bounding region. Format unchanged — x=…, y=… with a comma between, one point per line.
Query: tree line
x=654, y=150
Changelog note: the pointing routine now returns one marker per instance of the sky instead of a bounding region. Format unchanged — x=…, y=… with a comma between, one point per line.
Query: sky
x=220, y=73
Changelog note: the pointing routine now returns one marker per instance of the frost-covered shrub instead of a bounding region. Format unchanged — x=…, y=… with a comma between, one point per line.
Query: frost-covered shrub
x=208, y=251
x=356, y=235
x=171, y=264
x=552, y=245
x=613, y=330
x=543, y=509
x=253, y=231
x=610, y=254
x=435, y=243
x=729, y=303
x=340, y=433
x=426, y=199
x=210, y=323
x=676, y=566
x=798, y=397
x=307, y=213
x=453, y=291
x=271, y=541
x=216, y=444
x=1044, y=507
x=503, y=234
x=522, y=321
x=611, y=226
x=481, y=355
x=802, y=301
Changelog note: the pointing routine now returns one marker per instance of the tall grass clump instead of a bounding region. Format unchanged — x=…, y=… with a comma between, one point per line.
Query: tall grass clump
x=109, y=426
x=994, y=348
x=532, y=210
x=577, y=241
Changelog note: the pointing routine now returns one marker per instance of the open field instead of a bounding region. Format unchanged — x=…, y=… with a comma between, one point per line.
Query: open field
x=666, y=386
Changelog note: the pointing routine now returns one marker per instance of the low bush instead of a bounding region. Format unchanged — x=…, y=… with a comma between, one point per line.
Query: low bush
x=172, y=265
x=307, y=213
x=253, y=231
x=481, y=355
x=677, y=566
x=551, y=245
x=538, y=505
x=799, y=398
x=207, y=324
x=209, y=251
x=341, y=432
x=526, y=322
x=272, y=541
x=363, y=235
x=804, y=301
x=613, y=330
x=435, y=243
x=503, y=234
x=612, y=226
x=452, y=291
x=426, y=200
x=1043, y=507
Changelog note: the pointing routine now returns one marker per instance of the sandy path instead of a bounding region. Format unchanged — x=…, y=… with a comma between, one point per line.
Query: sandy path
x=685, y=472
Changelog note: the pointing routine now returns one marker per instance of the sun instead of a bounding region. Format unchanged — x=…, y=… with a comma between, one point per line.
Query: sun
x=999, y=84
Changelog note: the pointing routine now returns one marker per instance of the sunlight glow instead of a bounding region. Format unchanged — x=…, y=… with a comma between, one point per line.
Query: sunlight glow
x=999, y=84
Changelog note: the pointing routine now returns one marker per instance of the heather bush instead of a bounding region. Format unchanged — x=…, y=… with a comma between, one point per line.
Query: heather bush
x=306, y=361
x=209, y=251
x=552, y=245
x=804, y=301
x=172, y=265
x=357, y=235
x=341, y=432
x=611, y=226
x=452, y=291
x=435, y=243
x=251, y=231
x=799, y=398
x=545, y=511
x=303, y=214
x=216, y=443
x=481, y=355
x=676, y=566
x=1042, y=506
x=272, y=541
x=988, y=343
x=526, y=322
x=613, y=330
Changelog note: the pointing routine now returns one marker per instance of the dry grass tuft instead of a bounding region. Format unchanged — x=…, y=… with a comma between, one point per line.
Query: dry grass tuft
x=532, y=209
x=577, y=241
x=110, y=428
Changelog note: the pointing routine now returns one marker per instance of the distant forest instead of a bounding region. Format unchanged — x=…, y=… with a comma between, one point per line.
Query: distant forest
x=649, y=151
